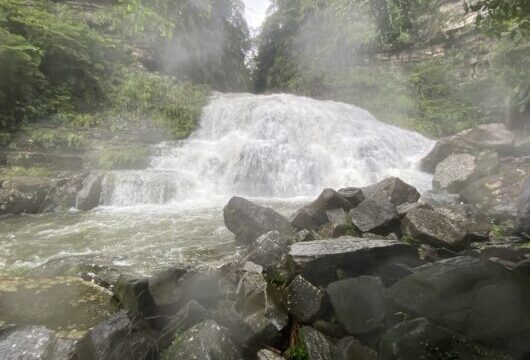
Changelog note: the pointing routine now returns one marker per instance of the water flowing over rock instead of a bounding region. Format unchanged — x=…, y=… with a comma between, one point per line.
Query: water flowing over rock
x=275, y=146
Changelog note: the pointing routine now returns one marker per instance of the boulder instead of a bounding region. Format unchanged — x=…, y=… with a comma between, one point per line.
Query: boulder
x=313, y=215
x=497, y=195
x=469, y=296
x=317, y=346
x=339, y=224
x=349, y=348
x=439, y=198
x=318, y=261
x=305, y=235
x=422, y=339
x=375, y=216
x=134, y=296
x=33, y=343
x=206, y=340
x=248, y=220
x=429, y=227
x=305, y=302
x=404, y=209
x=88, y=197
x=455, y=172
x=354, y=195
x=358, y=303
x=265, y=354
x=392, y=189
x=271, y=250
x=475, y=223
x=118, y=338
x=189, y=315
x=164, y=289
x=24, y=194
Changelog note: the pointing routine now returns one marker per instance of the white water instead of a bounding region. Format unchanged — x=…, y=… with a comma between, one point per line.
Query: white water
x=279, y=146
x=281, y=149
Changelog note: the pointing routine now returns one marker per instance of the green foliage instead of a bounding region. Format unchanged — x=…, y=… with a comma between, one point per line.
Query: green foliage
x=171, y=352
x=173, y=105
x=15, y=171
x=54, y=139
x=297, y=352
x=131, y=157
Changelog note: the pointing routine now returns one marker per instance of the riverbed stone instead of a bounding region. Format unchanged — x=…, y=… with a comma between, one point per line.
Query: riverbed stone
x=469, y=296
x=354, y=195
x=206, y=340
x=313, y=215
x=316, y=344
x=271, y=250
x=339, y=224
x=248, y=220
x=358, y=303
x=117, y=338
x=305, y=302
x=189, y=315
x=375, y=216
x=422, y=339
x=455, y=172
x=392, y=189
x=429, y=227
x=318, y=261
x=349, y=348
x=134, y=296
x=88, y=197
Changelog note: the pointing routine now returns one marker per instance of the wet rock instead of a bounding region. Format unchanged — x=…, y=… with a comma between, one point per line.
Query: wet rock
x=305, y=235
x=32, y=343
x=271, y=250
x=404, y=209
x=497, y=195
x=318, y=261
x=164, y=288
x=429, y=227
x=305, y=302
x=422, y=339
x=65, y=192
x=349, y=348
x=313, y=215
x=358, y=303
x=88, y=197
x=392, y=189
x=476, y=224
x=119, y=338
x=206, y=340
x=354, y=195
x=432, y=254
x=488, y=162
x=265, y=354
x=316, y=344
x=455, y=172
x=334, y=330
x=24, y=194
x=248, y=220
x=134, y=296
x=373, y=216
x=339, y=224
x=439, y=198
x=494, y=136
x=469, y=296
x=189, y=315
x=443, y=148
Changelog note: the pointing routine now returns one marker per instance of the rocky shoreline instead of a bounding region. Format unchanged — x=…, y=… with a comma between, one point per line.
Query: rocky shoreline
x=379, y=272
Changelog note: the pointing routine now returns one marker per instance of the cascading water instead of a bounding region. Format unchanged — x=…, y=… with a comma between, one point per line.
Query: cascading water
x=281, y=150
x=278, y=146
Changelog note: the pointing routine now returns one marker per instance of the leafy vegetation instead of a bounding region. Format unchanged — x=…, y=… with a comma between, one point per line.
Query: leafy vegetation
x=14, y=171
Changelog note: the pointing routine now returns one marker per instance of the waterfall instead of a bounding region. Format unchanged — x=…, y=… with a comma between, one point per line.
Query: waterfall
x=278, y=146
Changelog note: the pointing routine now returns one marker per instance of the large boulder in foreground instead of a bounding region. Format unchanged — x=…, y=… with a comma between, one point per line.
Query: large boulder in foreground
x=392, y=189
x=318, y=261
x=455, y=172
x=358, y=303
x=88, y=197
x=429, y=227
x=271, y=250
x=313, y=215
x=480, y=299
x=248, y=220
x=422, y=339
x=305, y=302
x=118, y=338
x=33, y=343
x=317, y=345
x=375, y=216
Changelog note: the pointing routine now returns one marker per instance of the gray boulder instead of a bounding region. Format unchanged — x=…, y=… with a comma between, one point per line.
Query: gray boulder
x=429, y=227
x=248, y=220
x=455, y=172
x=88, y=197
x=422, y=339
x=316, y=344
x=313, y=215
x=339, y=224
x=189, y=315
x=469, y=296
x=118, y=338
x=375, y=216
x=475, y=223
x=392, y=189
x=271, y=250
x=24, y=194
x=134, y=296
x=265, y=354
x=305, y=302
x=318, y=261
x=349, y=348
x=206, y=340
x=439, y=198
x=354, y=195
x=358, y=303
x=33, y=343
